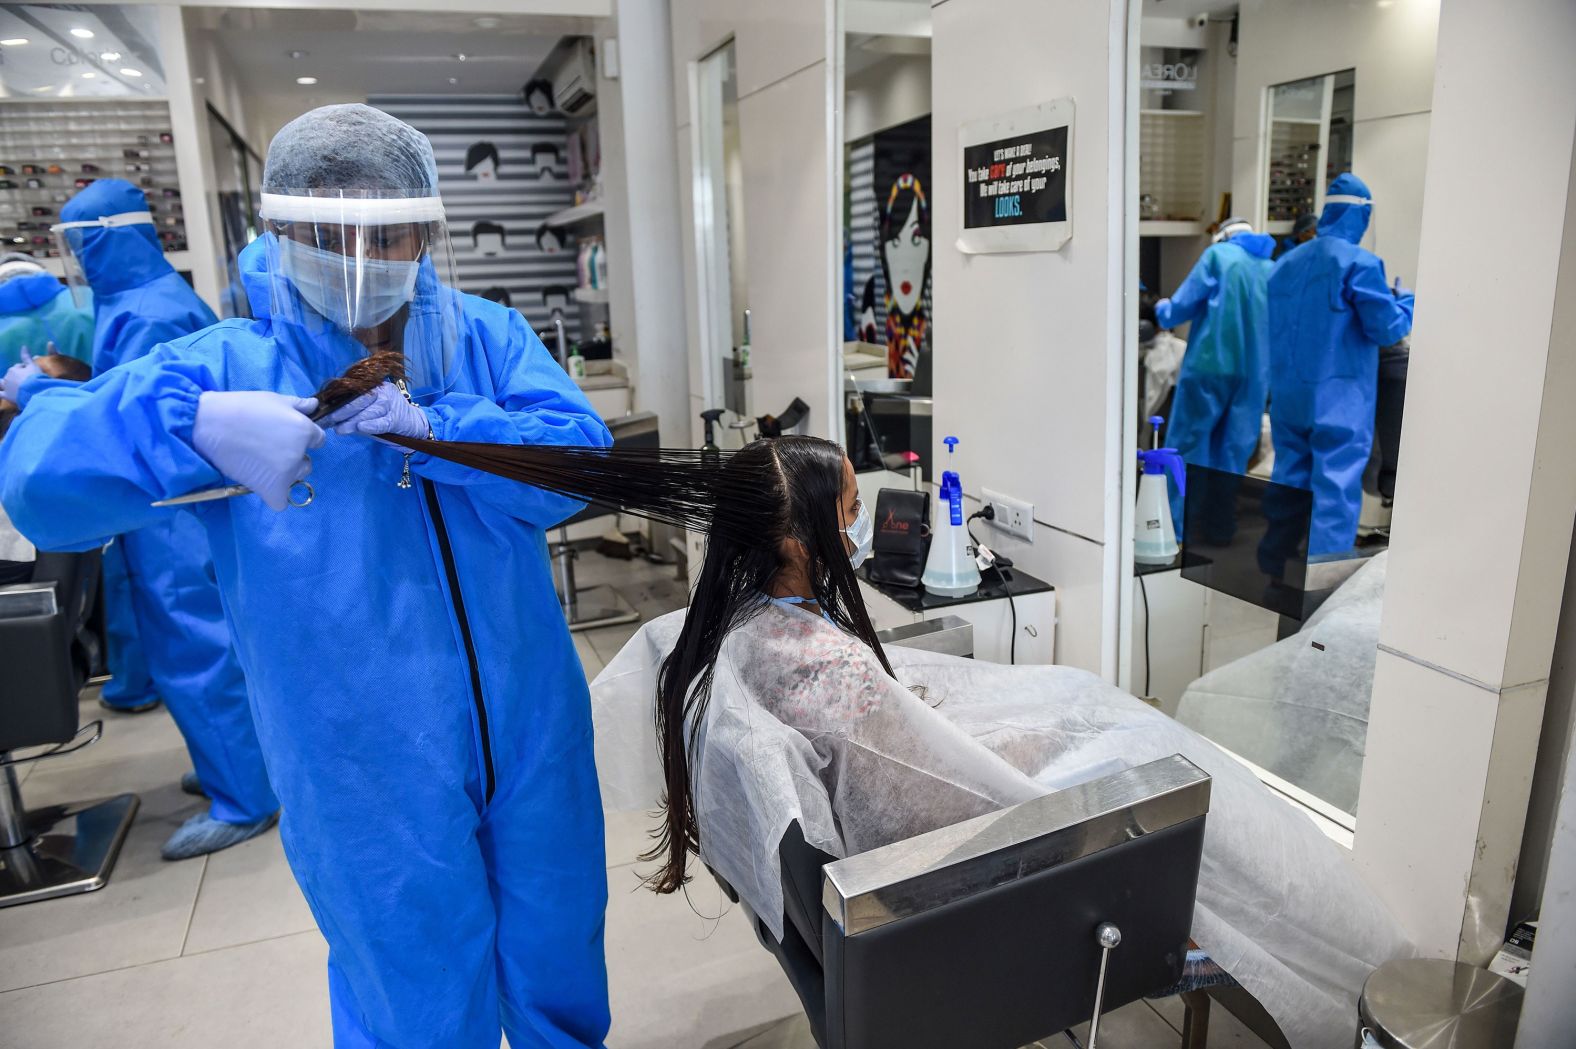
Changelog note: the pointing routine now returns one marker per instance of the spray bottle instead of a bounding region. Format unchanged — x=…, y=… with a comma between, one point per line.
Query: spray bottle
x=949, y=570
x=1154, y=533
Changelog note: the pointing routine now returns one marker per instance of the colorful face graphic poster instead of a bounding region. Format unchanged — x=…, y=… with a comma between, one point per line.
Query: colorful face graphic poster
x=902, y=183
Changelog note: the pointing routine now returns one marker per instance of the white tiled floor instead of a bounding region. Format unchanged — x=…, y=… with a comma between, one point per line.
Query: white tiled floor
x=222, y=950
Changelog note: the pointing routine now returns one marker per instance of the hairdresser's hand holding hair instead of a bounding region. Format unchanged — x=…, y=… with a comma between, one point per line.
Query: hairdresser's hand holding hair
x=384, y=410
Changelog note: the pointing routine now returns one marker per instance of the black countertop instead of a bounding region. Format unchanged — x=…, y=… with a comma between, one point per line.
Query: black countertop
x=918, y=599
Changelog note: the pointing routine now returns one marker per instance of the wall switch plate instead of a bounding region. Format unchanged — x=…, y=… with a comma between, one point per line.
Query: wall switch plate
x=1013, y=516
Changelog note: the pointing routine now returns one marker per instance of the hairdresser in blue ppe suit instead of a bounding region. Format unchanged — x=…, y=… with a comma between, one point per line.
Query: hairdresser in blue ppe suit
x=1330, y=311
x=37, y=312
x=1217, y=413
x=108, y=241
x=418, y=697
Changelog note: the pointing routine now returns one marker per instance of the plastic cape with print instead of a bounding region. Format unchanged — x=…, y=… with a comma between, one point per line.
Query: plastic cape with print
x=352, y=272
x=797, y=707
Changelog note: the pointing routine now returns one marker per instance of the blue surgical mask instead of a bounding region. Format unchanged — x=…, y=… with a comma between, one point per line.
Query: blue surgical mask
x=348, y=292
x=862, y=533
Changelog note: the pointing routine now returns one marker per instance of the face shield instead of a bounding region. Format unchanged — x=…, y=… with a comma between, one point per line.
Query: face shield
x=359, y=272
x=69, y=238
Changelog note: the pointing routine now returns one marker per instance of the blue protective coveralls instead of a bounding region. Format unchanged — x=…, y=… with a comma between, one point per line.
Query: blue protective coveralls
x=37, y=310
x=130, y=685
x=1217, y=412
x=1330, y=311
x=139, y=302
x=415, y=688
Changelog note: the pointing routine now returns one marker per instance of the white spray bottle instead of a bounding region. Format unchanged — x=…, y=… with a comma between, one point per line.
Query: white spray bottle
x=949, y=570
x=1154, y=533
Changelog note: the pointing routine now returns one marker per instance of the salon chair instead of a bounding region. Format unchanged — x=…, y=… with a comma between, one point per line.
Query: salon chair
x=601, y=605
x=57, y=850
x=1000, y=930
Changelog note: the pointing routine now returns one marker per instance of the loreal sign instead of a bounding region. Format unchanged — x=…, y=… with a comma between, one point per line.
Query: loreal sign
x=1174, y=76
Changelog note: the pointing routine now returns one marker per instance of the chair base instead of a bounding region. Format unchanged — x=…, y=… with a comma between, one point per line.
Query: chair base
x=70, y=849
x=597, y=606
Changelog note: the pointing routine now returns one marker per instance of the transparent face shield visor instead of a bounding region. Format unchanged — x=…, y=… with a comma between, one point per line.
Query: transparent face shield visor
x=358, y=273
x=69, y=237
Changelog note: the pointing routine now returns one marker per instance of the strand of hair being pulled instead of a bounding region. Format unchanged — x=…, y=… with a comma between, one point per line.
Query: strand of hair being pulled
x=684, y=487
x=677, y=486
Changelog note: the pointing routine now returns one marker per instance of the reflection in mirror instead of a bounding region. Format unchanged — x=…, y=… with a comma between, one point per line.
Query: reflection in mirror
x=719, y=216
x=1308, y=142
x=1272, y=350
x=887, y=244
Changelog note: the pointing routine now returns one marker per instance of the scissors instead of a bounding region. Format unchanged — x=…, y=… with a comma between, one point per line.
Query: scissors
x=230, y=490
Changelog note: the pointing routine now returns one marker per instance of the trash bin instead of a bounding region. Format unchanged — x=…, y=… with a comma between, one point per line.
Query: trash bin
x=1418, y=1003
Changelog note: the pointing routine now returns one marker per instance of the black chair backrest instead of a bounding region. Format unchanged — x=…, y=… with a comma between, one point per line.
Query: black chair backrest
x=40, y=651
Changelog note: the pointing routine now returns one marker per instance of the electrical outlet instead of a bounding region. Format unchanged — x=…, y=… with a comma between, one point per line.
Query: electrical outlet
x=1012, y=515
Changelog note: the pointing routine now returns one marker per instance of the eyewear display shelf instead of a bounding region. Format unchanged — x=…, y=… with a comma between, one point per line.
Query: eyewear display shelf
x=51, y=150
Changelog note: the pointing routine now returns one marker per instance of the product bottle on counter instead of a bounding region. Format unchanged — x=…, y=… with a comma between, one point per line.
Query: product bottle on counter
x=577, y=363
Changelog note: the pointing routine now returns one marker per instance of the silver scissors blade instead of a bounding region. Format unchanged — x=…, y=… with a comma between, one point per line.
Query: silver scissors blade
x=206, y=495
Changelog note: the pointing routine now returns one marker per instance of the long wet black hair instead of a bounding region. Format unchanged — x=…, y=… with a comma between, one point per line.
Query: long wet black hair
x=799, y=502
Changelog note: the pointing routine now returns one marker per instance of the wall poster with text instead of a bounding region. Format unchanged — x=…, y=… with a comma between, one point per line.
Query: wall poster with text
x=1017, y=185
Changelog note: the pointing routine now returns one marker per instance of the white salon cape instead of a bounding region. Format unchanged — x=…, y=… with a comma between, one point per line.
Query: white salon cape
x=803, y=724
x=1299, y=707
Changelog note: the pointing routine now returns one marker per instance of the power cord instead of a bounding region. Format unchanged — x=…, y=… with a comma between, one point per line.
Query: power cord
x=1144, y=590
x=998, y=562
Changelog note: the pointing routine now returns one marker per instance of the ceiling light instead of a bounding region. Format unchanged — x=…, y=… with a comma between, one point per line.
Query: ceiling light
x=89, y=76
x=110, y=56
x=131, y=72
x=306, y=81
x=487, y=22
x=297, y=54
x=462, y=56
x=15, y=41
x=82, y=34
x=453, y=80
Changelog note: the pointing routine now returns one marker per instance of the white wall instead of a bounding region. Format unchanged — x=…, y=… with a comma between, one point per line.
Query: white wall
x=1485, y=507
x=1392, y=49
x=891, y=92
x=1031, y=380
x=787, y=128
x=640, y=179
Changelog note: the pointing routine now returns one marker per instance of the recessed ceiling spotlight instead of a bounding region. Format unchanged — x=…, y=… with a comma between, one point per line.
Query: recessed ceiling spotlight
x=110, y=56
x=82, y=34
x=297, y=54
x=306, y=81
x=89, y=76
x=15, y=41
x=462, y=56
x=453, y=80
x=131, y=72
x=487, y=22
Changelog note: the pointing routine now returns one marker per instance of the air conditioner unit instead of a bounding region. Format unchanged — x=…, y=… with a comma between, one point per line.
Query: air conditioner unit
x=571, y=70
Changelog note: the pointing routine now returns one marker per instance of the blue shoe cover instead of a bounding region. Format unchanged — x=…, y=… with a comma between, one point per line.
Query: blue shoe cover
x=203, y=834
x=190, y=784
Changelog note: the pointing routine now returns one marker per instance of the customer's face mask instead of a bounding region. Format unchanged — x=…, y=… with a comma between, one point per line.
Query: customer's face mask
x=862, y=533
x=329, y=282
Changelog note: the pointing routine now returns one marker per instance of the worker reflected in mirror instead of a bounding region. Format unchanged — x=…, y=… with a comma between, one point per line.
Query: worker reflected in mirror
x=1331, y=308
x=1222, y=384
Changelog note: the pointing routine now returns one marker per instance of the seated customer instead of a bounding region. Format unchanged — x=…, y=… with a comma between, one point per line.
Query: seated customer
x=16, y=553
x=776, y=703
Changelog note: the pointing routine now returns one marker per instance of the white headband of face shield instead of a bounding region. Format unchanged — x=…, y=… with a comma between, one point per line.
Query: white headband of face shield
x=125, y=218
x=352, y=211
x=1347, y=198
x=1231, y=230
